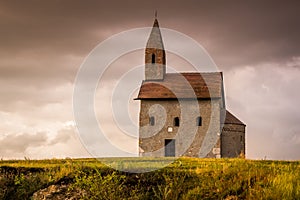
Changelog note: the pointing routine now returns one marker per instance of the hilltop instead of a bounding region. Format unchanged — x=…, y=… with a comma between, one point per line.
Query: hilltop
x=186, y=178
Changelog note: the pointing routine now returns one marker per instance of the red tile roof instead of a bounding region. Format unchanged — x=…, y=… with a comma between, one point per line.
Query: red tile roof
x=183, y=85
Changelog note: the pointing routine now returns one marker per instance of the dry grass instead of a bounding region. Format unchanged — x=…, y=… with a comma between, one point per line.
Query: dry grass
x=186, y=178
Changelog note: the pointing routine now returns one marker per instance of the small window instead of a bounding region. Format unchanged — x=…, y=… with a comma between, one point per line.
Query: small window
x=152, y=121
x=176, y=121
x=199, y=121
x=241, y=138
x=153, y=58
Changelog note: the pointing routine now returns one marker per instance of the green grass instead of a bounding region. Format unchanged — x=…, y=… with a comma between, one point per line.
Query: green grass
x=186, y=178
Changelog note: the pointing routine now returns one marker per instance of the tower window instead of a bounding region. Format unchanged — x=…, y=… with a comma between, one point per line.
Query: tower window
x=153, y=58
x=199, y=121
x=176, y=121
x=152, y=121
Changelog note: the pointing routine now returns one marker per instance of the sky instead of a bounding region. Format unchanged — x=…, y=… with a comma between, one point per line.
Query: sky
x=43, y=44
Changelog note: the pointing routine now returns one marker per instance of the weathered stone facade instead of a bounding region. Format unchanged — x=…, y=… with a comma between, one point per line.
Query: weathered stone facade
x=154, y=71
x=233, y=140
x=181, y=114
x=188, y=134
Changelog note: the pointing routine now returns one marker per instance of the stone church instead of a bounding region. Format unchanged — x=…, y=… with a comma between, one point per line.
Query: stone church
x=184, y=114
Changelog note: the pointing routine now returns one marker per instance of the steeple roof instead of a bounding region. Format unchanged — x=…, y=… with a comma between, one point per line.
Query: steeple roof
x=155, y=39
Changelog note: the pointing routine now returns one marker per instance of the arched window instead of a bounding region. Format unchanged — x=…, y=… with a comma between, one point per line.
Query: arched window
x=176, y=121
x=153, y=58
x=152, y=121
x=199, y=121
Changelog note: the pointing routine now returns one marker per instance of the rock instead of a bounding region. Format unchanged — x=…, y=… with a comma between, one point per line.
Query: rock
x=57, y=192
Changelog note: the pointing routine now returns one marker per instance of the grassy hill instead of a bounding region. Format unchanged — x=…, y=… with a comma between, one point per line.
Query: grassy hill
x=186, y=178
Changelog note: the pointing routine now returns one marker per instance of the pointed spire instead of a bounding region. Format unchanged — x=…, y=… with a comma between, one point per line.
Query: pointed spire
x=155, y=15
x=155, y=38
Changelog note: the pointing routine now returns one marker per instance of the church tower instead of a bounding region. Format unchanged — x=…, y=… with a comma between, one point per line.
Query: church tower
x=155, y=56
x=176, y=122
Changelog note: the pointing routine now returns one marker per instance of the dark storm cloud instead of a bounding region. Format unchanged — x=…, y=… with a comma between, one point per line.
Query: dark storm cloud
x=249, y=30
x=39, y=39
x=240, y=32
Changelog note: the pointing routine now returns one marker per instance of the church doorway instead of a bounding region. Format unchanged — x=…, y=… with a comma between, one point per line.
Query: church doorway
x=169, y=147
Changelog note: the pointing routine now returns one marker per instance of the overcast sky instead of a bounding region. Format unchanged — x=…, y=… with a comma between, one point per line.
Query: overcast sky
x=43, y=44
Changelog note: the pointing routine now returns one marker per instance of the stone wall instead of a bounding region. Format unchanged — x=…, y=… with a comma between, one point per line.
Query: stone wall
x=189, y=137
x=233, y=140
x=157, y=70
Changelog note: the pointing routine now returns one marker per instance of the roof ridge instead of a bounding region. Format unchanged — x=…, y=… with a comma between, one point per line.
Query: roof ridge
x=195, y=73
